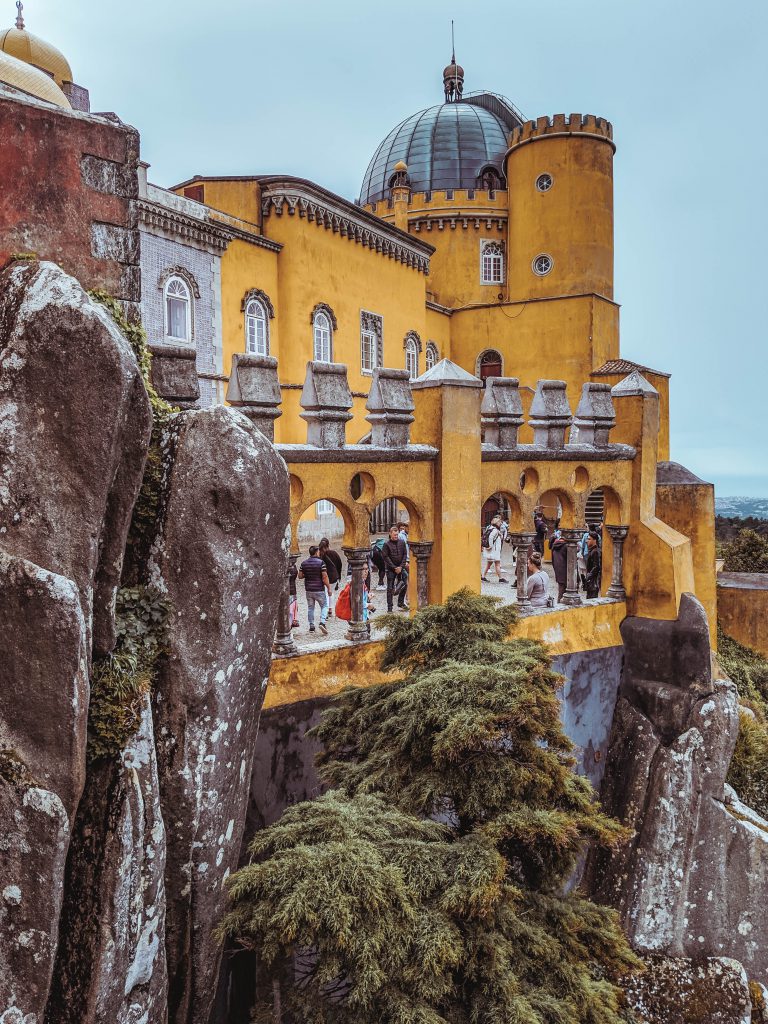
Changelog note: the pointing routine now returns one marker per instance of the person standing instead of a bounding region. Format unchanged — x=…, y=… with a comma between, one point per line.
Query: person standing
x=540, y=526
x=559, y=550
x=293, y=572
x=594, y=566
x=492, y=539
x=538, y=581
x=395, y=552
x=333, y=566
x=312, y=571
x=377, y=561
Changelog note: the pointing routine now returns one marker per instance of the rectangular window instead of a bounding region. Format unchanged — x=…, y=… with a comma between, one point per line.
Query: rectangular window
x=368, y=353
x=177, y=318
x=371, y=341
x=324, y=508
x=493, y=268
x=257, y=341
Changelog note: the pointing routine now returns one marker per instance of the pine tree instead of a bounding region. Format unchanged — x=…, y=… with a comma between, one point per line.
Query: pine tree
x=429, y=886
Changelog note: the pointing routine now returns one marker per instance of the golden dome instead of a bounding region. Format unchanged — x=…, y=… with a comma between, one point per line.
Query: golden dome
x=24, y=46
x=401, y=165
x=31, y=80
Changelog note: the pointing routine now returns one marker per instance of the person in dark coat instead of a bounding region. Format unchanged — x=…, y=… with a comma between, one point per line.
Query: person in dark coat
x=594, y=566
x=293, y=572
x=377, y=561
x=559, y=550
x=540, y=526
x=395, y=552
x=333, y=566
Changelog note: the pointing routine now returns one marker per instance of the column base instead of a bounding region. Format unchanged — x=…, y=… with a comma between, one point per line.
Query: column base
x=285, y=647
x=617, y=592
x=572, y=600
x=357, y=632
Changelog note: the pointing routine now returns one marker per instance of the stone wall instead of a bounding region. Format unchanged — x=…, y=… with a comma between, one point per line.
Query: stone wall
x=67, y=188
x=160, y=254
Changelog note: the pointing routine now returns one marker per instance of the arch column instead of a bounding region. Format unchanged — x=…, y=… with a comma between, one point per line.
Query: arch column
x=358, y=561
x=422, y=549
x=572, y=596
x=284, y=644
x=521, y=543
x=618, y=535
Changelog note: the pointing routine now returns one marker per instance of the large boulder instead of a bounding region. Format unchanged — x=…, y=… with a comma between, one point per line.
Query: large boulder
x=74, y=429
x=220, y=559
x=691, y=881
x=111, y=967
x=675, y=990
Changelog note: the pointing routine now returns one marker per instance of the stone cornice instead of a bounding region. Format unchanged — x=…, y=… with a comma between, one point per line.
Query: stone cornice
x=296, y=195
x=427, y=222
x=207, y=232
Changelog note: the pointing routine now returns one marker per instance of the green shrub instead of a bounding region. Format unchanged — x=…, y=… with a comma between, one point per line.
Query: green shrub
x=747, y=552
x=120, y=680
x=748, y=771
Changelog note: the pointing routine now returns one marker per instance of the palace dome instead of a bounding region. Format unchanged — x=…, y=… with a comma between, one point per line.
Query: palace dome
x=30, y=79
x=24, y=46
x=445, y=146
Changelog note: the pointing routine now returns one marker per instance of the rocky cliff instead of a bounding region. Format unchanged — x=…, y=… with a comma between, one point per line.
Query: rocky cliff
x=131, y=686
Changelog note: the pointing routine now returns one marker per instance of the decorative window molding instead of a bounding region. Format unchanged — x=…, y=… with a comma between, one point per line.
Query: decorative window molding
x=432, y=357
x=322, y=335
x=371, y=341
x=490, y=178
x=256, y=328
x=177, y=309
x=184, y=274
x=260, y=296
x=491, y=262
x=542, y=264
x=412, y=346
x=323, y=307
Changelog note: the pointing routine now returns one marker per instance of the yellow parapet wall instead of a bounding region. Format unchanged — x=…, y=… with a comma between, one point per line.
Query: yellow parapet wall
x=742, y=608
x=328, y=669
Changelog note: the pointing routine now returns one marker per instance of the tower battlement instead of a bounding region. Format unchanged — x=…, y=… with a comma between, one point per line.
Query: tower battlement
x=559, y=125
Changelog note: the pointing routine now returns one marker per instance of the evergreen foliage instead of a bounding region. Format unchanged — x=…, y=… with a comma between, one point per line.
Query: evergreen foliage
x=428, y=887
x=747, y=552
x=748, y=771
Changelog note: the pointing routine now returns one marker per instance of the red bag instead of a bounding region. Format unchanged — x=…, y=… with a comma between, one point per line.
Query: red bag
x=343, y=608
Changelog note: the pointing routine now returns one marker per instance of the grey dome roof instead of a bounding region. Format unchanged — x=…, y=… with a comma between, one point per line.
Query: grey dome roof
x=445, y=146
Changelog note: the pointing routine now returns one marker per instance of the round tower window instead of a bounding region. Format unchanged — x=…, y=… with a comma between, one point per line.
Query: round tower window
x=542, y=264
x=544, y=182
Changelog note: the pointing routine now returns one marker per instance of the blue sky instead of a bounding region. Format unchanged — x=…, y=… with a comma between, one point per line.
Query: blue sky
x=311, y=88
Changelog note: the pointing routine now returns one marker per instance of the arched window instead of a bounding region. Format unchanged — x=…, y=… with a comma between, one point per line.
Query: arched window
x=256, y=328
x=492, y=263
x=432, y=357
x=323, y=337
x=178, y=309
x=412, y=358
x=489, y=364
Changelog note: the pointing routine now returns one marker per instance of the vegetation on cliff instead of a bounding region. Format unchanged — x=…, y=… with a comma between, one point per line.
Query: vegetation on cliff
x=748, y=773
x=747, y=552
x=428, y=886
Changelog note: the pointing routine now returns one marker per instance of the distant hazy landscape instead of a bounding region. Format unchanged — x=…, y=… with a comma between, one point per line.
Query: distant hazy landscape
x=745, y=508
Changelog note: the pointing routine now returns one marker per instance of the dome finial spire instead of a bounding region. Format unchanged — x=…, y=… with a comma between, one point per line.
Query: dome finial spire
x=20, y=14
x=453, y=75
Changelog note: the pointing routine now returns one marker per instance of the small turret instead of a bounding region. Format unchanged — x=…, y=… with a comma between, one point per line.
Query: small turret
x=453, y=80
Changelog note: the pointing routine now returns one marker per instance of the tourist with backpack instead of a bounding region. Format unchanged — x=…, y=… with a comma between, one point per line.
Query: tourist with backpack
x=492, y=540
x=559, y=550
x=333, y=566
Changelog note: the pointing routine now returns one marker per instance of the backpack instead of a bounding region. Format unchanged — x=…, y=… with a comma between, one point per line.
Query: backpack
x=486, y=543
x=344, y=604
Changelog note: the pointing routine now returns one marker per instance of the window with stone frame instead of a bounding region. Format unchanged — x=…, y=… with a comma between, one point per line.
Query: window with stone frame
x=492, y=263
x=371, y=341
x=432, y=356
x=177, y=302
x=322, y=337
x=256, y=328
x=412, y=358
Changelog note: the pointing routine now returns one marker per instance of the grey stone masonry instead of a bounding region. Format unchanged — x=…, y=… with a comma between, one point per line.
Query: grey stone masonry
x=254, y=389
x=326, y=401
x=501, y=411
x=550, y=414
x=390, y=405
x=174, y=374
x=595, y=416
